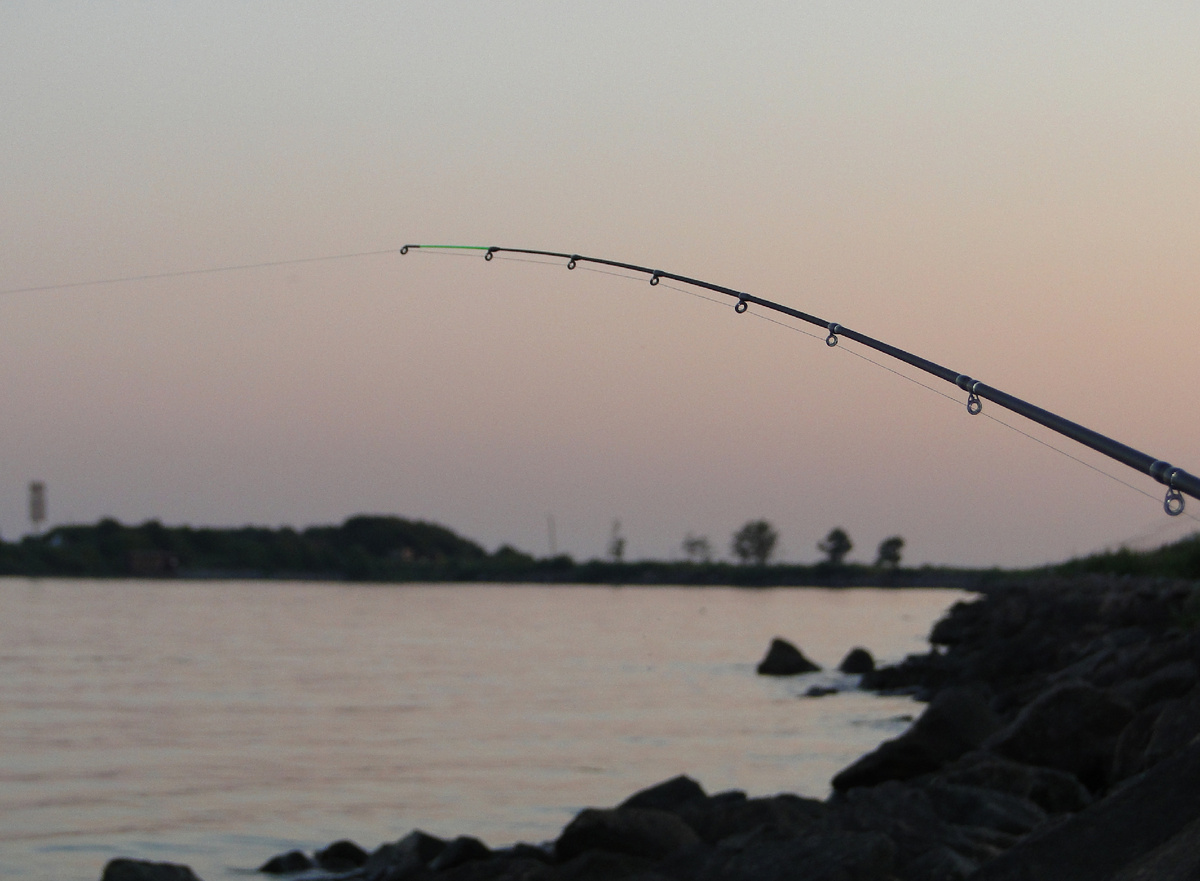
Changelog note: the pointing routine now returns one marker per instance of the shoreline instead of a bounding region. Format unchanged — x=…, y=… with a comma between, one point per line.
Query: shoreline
x=1058, y=742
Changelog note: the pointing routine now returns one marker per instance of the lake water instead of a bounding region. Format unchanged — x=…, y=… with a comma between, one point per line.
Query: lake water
x=219, y=723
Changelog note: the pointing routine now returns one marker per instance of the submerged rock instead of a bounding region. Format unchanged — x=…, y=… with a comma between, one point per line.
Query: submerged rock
x=784, y=659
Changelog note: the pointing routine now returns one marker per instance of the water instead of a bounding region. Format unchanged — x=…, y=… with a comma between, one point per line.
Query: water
x=219, y=723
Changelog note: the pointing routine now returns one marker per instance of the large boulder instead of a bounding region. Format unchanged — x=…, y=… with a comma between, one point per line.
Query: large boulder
x=764, y=855
x=1054, y=791
x=784, y=659
x=983, y=807
x=727, y=815
x=957, y=720
x=648, y=833
x=1149, y=828
x=1072, y=726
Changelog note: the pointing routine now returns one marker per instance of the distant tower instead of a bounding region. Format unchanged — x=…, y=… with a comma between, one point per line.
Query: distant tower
x=37, y=505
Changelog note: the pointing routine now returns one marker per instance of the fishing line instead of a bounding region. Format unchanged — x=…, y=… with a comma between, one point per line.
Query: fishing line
x=180, y=273
x=1177, y=481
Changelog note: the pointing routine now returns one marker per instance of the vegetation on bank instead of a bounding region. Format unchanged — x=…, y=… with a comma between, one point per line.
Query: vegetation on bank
x=1179, y=559
x=393, y=549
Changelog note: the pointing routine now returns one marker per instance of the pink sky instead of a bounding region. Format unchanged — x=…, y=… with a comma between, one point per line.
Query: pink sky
x=1009, y=190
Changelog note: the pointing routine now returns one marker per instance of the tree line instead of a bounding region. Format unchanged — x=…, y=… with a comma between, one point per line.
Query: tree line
x=754, y=545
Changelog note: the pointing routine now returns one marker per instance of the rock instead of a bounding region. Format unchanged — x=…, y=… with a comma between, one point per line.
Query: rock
x=986, y=808
x=607, y=866
x=784, y=659
x=905, y=814
x=1054, y=791
x=341, y=856
x=292, y=861
x=820, y=691
x=1072, y=726
x=495, y=869
x=140, y=870
x=765, y=856
x=1176, y=726
x=1147, y=829
x=649, y=833
x=858, y=661
x=1172, y=681
x=723, y=817
x=1129, y=755
x=463, y=849
x=957, y=720
x=941, y=864
x=409, y=856
x=670, y=795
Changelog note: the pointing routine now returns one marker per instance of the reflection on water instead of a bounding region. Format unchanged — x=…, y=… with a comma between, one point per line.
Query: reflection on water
x=218, y=723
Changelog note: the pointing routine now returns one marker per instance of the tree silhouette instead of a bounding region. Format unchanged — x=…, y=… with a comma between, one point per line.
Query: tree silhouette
x=835, y=546
x=888, y=555
x=616, y=543
x=697, y=548
x=755, y=542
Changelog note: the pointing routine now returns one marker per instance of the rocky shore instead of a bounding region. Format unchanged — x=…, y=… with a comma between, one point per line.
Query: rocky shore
x=1059, y=742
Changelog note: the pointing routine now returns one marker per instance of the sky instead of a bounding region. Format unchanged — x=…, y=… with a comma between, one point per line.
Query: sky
x=1010, y=190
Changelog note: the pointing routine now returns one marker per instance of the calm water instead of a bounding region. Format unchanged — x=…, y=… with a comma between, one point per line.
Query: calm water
x=217, y=724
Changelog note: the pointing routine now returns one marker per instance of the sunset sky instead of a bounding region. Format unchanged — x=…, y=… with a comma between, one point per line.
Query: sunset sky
x=1011, y=190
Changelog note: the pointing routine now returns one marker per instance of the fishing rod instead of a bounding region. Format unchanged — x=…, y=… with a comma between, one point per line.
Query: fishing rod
x=1177, y=481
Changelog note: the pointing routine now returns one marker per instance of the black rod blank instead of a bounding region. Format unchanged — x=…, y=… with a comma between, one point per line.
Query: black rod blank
x=1175, y=479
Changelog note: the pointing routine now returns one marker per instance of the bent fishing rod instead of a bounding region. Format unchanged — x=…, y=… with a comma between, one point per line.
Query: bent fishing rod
x=1177, y=481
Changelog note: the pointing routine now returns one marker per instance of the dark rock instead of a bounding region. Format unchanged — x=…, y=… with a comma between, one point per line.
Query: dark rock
x=498, y=869
x=1054, y=791
x=140, y=870
x=723, y=818
x=1072, y=726
x=1129, y=755
x=1172, y=681
x=956, y=721
x=1147, y=829
x=409, y=857
x=649, y=833
x=858, y=661
x=784, y=659
x=905, y=814
x=341, y=856
x=463, y=849
x=987, y=808
x=1176, y=726
x=292, y=861
x=670, y=795
x=820, y=691
x=940, y=864
x=605, y=866
x=524, y=851
x=766, y=856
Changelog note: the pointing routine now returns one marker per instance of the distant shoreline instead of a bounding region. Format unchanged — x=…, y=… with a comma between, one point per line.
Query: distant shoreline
x=387, y=549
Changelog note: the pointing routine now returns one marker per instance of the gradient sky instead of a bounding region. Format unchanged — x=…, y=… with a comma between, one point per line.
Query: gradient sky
x=1011, y=190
